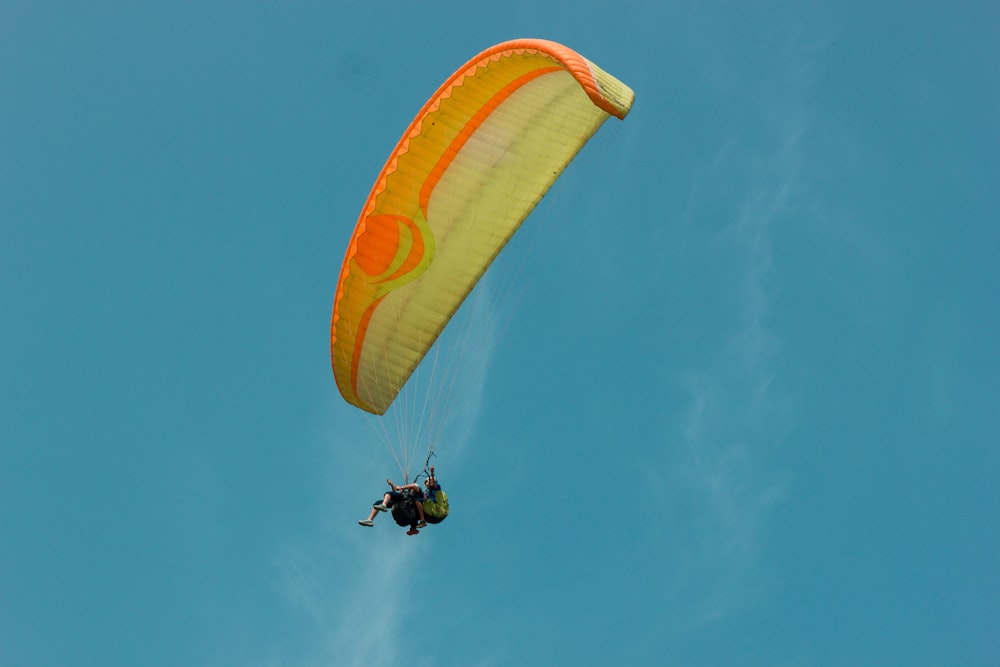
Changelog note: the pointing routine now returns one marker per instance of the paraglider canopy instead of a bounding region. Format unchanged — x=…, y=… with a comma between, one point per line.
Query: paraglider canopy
x=473, y=164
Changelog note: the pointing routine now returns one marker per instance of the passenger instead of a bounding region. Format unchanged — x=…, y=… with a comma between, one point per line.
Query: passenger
x=399, y=494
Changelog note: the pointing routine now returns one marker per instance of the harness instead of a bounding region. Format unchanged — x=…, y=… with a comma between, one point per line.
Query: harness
x=404, y=512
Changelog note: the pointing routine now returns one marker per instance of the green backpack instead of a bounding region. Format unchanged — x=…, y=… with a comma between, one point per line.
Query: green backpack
x=436, y=510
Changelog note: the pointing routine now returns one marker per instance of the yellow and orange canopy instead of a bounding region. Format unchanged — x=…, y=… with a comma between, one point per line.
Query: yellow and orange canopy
x=473, y=164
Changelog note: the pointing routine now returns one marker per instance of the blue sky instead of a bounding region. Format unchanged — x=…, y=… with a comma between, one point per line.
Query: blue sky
x=743, y=410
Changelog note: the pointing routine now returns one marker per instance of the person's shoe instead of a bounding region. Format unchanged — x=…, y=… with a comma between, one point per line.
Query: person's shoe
x=366, y=522
x=422, y=524
x=412, y=531
x=381, y=507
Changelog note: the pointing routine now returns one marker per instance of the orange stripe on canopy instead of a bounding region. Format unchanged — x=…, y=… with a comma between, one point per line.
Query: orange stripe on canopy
x=469, y=128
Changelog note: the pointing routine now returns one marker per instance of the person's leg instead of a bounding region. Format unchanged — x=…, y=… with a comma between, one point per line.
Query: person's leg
x=420, y=513
x=370, y=521
x=385, y=504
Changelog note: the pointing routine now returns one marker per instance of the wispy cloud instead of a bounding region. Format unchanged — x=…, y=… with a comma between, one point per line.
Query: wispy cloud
x=352, y=594
x=737, y=411
x=350, y=583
